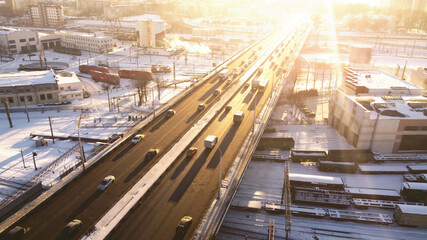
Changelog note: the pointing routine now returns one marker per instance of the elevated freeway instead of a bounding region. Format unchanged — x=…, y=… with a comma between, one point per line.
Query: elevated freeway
x=188, y=187
x=80, y=200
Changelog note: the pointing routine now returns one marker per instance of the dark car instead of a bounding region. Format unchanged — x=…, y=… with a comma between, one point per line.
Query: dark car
x=184, y=224
x=201, y=107
x=191, y=152
x=151, y=154
x=17, y=232
x=70, y=229
x=170, y=113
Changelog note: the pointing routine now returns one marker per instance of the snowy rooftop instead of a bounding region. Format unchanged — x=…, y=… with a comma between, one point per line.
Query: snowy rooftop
x=408, y=107
x=375, y=79
x=27, y=78
x=65, y=78
x=6, y=30
x=82, y=34
x=413, y=209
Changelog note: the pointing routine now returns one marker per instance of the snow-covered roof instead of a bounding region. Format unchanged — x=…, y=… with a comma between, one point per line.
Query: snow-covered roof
x=27, y=78
x=413, y=209
x=315, y=178
x=393, y=106
x=6, y=30
x=65, y=78
x=415, y=185
x=375, y=79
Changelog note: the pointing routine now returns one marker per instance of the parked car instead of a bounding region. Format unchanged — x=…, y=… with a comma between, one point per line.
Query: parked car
x=170, y=113
x=106, y=182
x=151, y=154
x=137, y=138
x=184, y=224
x=201, y=107
x=191, y=152
x=70, y=229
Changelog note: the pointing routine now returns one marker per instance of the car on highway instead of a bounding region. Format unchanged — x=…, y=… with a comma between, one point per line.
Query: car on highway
x=17, y=232
x=191, y=152
x=106, y=182
x=70, y=230
x=151, y=154
x=201, y=107
x=217, y=92
x=184, y=225
x=169, y=113
x=137, y=138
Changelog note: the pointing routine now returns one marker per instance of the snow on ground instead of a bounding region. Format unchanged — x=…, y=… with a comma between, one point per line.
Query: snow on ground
x=97, y=122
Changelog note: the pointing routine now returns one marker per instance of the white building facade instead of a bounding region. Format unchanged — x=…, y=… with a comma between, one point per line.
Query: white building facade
x=70, y=87
x=87, y=42
x=16, y=41
x=377, y=111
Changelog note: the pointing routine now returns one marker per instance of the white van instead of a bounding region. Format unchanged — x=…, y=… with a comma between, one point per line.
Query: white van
x=210, y=141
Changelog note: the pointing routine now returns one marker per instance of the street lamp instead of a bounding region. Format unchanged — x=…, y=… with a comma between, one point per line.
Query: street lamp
x=219, y=178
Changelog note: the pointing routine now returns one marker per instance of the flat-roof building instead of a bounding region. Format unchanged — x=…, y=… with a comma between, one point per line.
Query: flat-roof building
x=30, y=88
x=380, y=112
x=89, y=42
x=16, y=41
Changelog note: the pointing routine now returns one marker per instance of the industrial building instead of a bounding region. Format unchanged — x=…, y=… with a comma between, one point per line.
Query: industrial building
x=151, y=32
x=29, y=88
x=70, y=87
x=16, y=41
x=46, y=15
x=380, y=112
x=88, y=42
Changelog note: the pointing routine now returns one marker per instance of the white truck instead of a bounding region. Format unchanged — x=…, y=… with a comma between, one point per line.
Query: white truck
x=224, y=74
x=210, y=141
x=238, y=116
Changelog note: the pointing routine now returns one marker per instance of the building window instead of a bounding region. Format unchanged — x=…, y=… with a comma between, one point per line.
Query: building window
x=22, y=40
x=49, y=96
x=11, y=41
x=13, y=51
x=29, y=98
x=10, y=99
x=22, y=98
x=31, y=39
x=62, y=89
x=413, y=143
x=416, y=128
x=42, y=97
x=12, y=46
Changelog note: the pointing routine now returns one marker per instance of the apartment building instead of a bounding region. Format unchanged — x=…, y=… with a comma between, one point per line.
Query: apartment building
x=46, y=15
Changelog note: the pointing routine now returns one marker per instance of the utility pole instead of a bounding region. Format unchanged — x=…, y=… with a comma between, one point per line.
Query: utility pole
x=219, y=179
x=51, y=131
x=404, y=68
x=82, y=151
x=413, y=46
x=26, y=110
x=22, y=155
x=154, y=107
x=6, y=106
x=34, y=160
x=287, y=192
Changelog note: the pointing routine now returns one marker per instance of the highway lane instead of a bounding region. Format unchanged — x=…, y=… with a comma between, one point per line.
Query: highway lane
x=191, y=183
x=81, y=200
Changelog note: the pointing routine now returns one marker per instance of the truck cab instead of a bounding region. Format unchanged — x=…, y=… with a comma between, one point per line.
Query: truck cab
x=238, y=116
x=210, y=141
